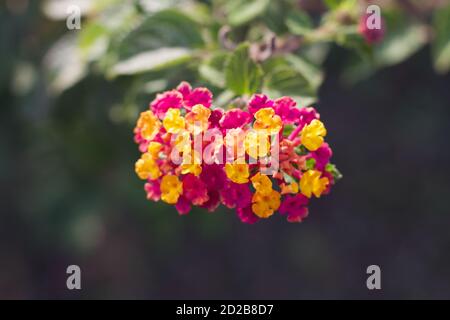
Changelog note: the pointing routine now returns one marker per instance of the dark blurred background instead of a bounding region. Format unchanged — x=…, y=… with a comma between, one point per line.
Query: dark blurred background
x=69, y=194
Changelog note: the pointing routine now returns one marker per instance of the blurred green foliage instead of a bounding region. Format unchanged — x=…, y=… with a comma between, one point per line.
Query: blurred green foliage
x=152, y=43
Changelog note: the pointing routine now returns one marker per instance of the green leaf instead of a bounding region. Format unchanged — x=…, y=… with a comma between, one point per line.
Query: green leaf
x=400, y=45
x=299, y=23
x=331, y=168
x=212, y=69
x=167, y=28
x=243, y=11
x=293, y=76
x=440, y=47
x=312, y=74
x=341, y=4
x=92, y=41
x=151, y=61
x=310, y=163
x=243, y=76
x=287, y=129
x=333, y=4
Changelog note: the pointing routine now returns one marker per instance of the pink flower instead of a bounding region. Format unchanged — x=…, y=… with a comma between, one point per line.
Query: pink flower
x=185, y=89
x=286, y=108
x=213, y=176
x=372, y=36
x=322, y=156
x=183, y=206
x=166, y=100
x=153, y=190
x=214, y=118
x=213, y=201
x=259, y=101
x=193, y=97
x=246, y=215
x=194, y=190
x=143, y=144
x=295, y=207
x=307, y=115
x=235, y=118
x=298, y=215
x=236, y=195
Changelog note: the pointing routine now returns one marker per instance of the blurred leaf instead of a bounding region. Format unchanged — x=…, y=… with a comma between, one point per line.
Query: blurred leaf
x=441, y=44
x=312, y=74
x=243, y=76
x=342, y=4
x=57, y=9
x=212, y=69
x=63, y=64
x=168, y=28
x=403, y=38
x=243, y=11
x=92, y=41
x=152, y=60
x=275, y=16
x=224, y=98
x=299, y=23
x=400, y=45
x=316, y=52
x=292, y=76
x=333, y=4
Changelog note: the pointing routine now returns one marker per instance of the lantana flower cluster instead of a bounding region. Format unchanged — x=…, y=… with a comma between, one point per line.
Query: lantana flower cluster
x=269, y=156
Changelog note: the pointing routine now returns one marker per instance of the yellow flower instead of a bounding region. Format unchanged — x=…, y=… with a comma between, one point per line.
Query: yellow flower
x=264, y=205
x=262, y=183
x=291, y=188
x=154, y=148
x=197, y=119
x=237, y=172
x=257, y=144
x=312, y=135
x=266, y=119
x=148, y=124
x=147, y=168
x=312, y=183
x=182, y=142
x=173, y=122
x=190, y=165
x=171, y=189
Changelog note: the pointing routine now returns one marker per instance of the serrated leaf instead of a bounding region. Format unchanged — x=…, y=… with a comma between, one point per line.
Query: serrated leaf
x=440, y=47
x=243, y=76
x=151, y=61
